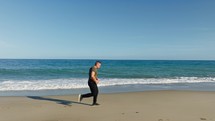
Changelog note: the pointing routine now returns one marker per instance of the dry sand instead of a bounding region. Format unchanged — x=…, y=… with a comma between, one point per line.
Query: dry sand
x=138, y=106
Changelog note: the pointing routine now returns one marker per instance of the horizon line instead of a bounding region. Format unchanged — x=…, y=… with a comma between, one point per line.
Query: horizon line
x=105, y=59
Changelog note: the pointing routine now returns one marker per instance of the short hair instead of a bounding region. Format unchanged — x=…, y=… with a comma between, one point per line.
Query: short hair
x=98, y=62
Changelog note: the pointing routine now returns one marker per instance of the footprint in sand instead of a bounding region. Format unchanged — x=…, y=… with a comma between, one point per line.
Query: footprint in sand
x=163, y=120
x=52, y=120
x=203, y=118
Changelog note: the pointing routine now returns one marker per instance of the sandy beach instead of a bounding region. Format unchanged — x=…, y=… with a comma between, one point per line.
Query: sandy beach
x=137, y=106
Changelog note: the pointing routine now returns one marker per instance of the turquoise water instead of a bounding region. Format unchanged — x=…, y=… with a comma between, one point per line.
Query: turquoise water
x=37, y=76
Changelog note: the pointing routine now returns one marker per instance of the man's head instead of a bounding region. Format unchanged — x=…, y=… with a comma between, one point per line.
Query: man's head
x=98, y=64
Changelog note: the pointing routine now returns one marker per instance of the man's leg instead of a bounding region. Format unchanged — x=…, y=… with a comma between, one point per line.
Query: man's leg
x=95, y=94
x=91, y=86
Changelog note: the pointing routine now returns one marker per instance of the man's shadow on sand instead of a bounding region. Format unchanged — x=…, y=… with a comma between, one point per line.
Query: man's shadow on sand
x=58, y=101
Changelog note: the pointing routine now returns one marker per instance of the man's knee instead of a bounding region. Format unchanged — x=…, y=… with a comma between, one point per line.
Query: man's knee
x=95, y=93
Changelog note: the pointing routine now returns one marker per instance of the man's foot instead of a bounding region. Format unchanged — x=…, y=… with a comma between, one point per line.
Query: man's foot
x=80, y=98
x=95, y=104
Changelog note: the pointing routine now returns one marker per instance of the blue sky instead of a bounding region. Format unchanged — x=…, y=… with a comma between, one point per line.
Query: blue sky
x=107, y=29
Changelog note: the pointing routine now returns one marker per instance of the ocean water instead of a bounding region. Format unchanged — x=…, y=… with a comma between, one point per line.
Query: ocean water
x=20, y=77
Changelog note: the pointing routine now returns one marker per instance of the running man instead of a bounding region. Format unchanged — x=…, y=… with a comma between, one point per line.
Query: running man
x=92, y=82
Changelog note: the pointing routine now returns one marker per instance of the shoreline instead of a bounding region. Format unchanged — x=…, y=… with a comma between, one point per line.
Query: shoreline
x=203, y=86
x=109, y=93
x=166, y=105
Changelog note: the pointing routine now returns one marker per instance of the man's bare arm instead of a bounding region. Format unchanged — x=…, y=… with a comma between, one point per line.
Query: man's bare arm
x=94, y=78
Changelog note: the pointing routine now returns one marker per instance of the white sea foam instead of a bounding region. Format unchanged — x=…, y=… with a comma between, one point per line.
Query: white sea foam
x=77, y=83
